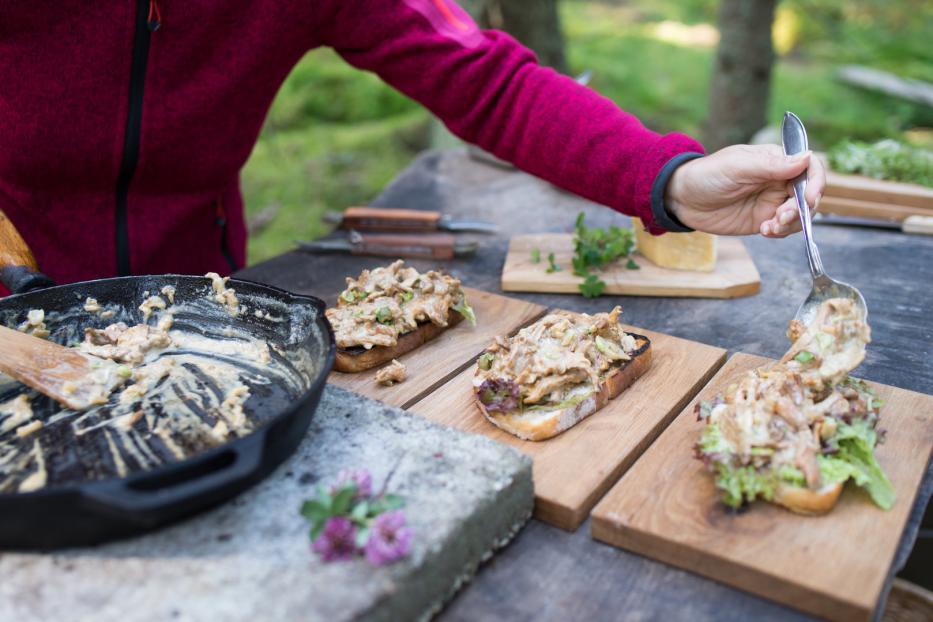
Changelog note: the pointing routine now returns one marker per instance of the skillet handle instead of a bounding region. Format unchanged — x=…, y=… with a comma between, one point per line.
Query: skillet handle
x=150, y=500
x=18, y=268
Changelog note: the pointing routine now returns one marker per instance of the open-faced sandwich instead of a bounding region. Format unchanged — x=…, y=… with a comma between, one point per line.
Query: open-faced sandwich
x=391, y=310
x=795, y=431
x=557, y=371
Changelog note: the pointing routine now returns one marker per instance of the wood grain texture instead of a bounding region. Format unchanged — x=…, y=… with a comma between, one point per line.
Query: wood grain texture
x=879, y=191
x=47, y=367
x=13, y=249
x=834, y=566
x=574, y=469
x=438, y=360
x=870, y=209
x=548, y=574
x=735, y=274
x=381, y=219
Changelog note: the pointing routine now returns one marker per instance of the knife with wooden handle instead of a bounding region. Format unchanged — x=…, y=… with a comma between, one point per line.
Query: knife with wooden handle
x=402, y=220
x=423, y=246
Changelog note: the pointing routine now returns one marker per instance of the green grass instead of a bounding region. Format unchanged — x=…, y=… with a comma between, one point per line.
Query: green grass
x=335, y=136
x=667, y=85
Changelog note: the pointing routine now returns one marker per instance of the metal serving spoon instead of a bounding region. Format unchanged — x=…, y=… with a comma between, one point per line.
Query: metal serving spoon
x=794, y=137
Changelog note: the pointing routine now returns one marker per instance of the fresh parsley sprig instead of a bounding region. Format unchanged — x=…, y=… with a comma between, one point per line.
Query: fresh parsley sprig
x=594, y=248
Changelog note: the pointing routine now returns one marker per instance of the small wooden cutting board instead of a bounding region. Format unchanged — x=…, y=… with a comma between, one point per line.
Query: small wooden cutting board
x=574, y=469
x=439, y=359
x=735, y=274
x=667, y=507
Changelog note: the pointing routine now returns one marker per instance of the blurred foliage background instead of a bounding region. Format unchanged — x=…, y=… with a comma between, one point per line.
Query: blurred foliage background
x=335, y=135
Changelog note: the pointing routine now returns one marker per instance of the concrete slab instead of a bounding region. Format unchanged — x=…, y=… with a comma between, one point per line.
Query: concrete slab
x=250, y=559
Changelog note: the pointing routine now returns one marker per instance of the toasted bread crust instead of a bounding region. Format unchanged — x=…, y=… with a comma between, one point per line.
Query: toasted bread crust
x=357, y=359
x=560, y=419
x=805, y=501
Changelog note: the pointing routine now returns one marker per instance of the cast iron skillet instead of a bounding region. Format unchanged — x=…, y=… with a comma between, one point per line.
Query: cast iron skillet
x=84, y=502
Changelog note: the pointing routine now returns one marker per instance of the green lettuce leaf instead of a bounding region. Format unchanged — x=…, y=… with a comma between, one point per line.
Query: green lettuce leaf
x=792, y=475
x=464, y=309
x=856, y=459
x=712, y=440
x=743, y=484
x=834, y=470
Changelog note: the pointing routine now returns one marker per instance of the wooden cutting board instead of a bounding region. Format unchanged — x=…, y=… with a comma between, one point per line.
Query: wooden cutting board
x=439, y=359
x=834, y=566
x=574, y=469
x=735, y=274
x=894, y=193
x=870, y=209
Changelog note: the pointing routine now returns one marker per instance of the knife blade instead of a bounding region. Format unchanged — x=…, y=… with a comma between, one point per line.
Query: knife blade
x=921, y=225
x=423, y=246
x=402, y=220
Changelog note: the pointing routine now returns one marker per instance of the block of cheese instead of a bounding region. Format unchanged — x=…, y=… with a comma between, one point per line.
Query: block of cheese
x=680, y=251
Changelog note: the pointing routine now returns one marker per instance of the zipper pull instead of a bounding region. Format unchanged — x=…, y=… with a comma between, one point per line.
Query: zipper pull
x=220, y=214
x=155, y=16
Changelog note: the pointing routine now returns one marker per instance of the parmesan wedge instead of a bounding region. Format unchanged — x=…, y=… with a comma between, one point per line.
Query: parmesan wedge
x=694, y=251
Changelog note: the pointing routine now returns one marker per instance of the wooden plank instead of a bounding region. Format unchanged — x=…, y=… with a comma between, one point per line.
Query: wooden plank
x=869, y=209
x=438, y=360
x=861, y=188
x=573, y=470
x=735, y=274
x=834, y=566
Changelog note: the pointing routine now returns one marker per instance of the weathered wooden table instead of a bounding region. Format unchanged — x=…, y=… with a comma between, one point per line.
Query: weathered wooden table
x=549, y=574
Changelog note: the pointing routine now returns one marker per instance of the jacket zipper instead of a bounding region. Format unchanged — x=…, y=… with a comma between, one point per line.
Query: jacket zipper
x=148, y=20
x=221, y=221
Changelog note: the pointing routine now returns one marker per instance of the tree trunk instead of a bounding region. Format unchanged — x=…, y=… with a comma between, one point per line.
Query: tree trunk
x=742, y=72
x=535, y=23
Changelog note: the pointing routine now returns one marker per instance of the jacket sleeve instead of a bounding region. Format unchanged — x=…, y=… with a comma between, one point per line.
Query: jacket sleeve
x=489, y=90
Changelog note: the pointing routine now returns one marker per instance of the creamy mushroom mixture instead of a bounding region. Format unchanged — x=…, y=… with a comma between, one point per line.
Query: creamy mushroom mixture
x=386, y=302
x=34, y=324
x=184, y=392
x=393, y=373
x=802, y=421
x=557, y=361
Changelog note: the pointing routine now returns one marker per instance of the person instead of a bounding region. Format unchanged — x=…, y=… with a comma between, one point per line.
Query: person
x=124, y=126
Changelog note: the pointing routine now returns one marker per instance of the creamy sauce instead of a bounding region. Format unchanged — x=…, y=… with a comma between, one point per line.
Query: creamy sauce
x=778, y=415
x=14, y=413
x=35, y=324
x=169, y=292
x=150, y=304
x=223, y=294
x=391, y=374
x=561, y=356
x=184, y=392
x=384, y=303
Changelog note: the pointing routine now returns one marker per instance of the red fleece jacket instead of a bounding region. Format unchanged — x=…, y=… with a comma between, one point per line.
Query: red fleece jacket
x=121, y=147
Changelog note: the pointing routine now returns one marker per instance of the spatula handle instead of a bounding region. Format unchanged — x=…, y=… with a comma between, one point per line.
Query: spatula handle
x=18, y=268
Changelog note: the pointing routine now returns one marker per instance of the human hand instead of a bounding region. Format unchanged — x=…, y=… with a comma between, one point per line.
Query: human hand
x=744, y=189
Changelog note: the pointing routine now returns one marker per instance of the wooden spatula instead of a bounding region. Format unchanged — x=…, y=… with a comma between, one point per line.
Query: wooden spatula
x=70, y=377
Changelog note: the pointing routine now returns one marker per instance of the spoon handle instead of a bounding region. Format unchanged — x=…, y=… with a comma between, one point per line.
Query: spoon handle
x=794, y=137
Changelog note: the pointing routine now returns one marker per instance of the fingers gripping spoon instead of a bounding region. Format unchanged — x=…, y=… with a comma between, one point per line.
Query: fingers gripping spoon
x=794, y=137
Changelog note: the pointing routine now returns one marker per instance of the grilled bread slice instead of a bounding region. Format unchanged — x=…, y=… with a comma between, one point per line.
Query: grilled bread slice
x=390, y=310
x=802, y=500
x=542, y=422
x=358, y=358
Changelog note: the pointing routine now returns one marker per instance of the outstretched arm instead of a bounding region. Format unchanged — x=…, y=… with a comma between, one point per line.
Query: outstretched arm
x=489, y=90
